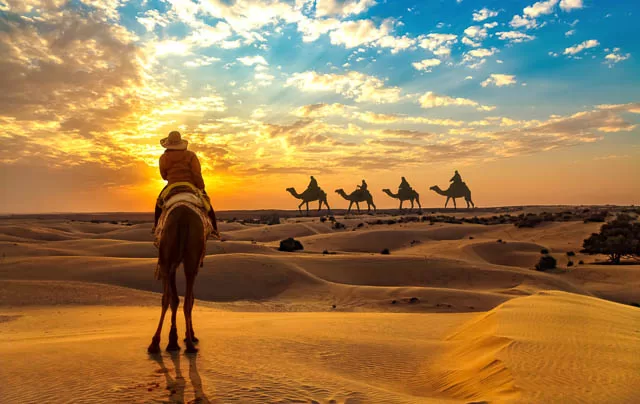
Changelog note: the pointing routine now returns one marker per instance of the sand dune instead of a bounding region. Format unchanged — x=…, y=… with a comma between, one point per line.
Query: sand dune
x=451, y=315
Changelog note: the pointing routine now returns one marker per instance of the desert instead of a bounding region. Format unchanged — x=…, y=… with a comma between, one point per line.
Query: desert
x=455, y=312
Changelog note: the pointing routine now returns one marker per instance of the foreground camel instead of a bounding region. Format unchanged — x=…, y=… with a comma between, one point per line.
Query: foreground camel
x=408, y=195
x=459, y=191
x=356, y=197
x=182, y=242
x=310, y=196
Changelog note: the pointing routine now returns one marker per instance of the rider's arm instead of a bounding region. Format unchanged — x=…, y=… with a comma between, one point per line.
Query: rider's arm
x=196, y=172
x=163, y=168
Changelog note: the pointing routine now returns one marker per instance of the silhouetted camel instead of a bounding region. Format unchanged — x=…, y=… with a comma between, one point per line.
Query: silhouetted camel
x=182, y=241
x=407, y=195
x=356, y=197
x=460, y=191
x=310, y=196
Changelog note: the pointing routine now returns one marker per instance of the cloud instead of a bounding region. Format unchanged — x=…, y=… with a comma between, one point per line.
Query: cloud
x=354, y=85
x=483, y=14
x=514, y=36
x=540, y=8
x=439, y=44
x=568, y=5
x=201, y=61
x=352, y=34
x=476, y=57
x=426, y=64
x=343, y=8
x=476, y=31
x=523, y=22
x=572, y=50
x=616, y=57
x=253, y=60
x=322, y=110
x=432, y=100
x=499, y=80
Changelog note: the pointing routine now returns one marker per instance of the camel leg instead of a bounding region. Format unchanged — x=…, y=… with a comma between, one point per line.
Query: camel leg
x=419, y=205
x=307, y=208
x=193, y=334
x=401, y=204
x=166, y=297
x=188, y=309
x=349, y=208
x=358, y=206
x=446, y=202
x=454, y=204
x=175, y=303
x=300, y=208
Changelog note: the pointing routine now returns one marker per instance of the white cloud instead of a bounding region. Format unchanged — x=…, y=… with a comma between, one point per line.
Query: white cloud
x=540, y=8
x=426, y=64
x=476, y=31
x=354, y=85
x=499, y=80
x=342, y=8
x=515, y=36
x=352, y=34
x=433, y=100
x=615, y=57
x=568, y=5
x=439, y=44
x=253, y=60
x=201, y=61
x=572, y=50
x=484, y=14
x=470, y=42
x=490, y=25
x=570, y=32
x=523, y=22
x=469, y=78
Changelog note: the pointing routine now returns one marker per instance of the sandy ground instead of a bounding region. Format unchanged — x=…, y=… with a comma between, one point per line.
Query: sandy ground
x=450, y=315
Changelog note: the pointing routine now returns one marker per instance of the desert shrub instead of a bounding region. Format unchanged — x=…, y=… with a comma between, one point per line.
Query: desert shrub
x=360, y=225
x=499, y=240
x=598, y=217
x=617, y=239
x=530, y=220
x=414, y=300
x=546, y=263
x=581, y=262
x=270, y=219
x=323, y=219
x=570, y=263
x=544, y=251
x=338, y=225
x=332, y=219
x=634, y=304
x=571, y=254
x=385, y=252
x=290, y=244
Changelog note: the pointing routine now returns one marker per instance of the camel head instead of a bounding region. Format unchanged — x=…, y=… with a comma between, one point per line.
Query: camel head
x=435, y=188
x=339, y=190
x=386, y=190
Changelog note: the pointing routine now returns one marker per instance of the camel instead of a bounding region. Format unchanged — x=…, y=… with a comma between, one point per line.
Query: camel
x=408, y=195
x=182, y=241
x=310, y=196
x=356, y=197
x=454, y=192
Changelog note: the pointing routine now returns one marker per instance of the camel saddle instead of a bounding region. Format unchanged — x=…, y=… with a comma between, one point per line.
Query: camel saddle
x=183, y=192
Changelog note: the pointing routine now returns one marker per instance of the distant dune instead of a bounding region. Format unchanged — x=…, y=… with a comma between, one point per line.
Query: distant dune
x=455, y=313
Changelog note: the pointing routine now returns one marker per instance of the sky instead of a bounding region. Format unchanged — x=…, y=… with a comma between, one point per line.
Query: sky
x=533, y=102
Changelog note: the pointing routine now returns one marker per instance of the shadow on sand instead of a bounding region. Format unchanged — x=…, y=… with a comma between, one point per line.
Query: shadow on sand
x=177, y=385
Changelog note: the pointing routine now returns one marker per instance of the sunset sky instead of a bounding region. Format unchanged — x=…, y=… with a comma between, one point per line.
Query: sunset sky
x=533, y=102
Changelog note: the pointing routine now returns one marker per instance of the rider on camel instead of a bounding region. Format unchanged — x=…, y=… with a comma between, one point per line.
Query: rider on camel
x=456, y=179
x=404, y=185
x=313, y=184
x=177, y=164
x=363, y=187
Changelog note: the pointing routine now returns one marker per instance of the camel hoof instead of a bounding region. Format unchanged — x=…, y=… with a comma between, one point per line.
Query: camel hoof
x=194, y=340
x=191, y=350
x=153, y=348
x=173, y=348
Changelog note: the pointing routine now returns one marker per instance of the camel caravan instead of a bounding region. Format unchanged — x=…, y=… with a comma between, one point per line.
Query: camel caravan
x=457, y=189
x=184, y=220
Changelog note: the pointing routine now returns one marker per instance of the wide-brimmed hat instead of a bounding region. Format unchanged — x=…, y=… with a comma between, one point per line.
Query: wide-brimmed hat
x=174, y=141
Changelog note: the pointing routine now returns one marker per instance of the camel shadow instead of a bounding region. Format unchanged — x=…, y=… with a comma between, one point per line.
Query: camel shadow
x=177, y=385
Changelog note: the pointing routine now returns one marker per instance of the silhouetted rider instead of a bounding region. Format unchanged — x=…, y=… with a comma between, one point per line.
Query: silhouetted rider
x=363, y=187
x=313, y=184
x=456, y=179
x=404, y=185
